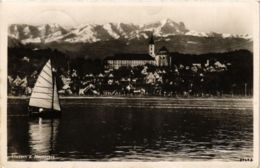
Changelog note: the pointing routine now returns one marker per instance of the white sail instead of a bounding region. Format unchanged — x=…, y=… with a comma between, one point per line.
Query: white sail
x=56, y=101
x=43, y=94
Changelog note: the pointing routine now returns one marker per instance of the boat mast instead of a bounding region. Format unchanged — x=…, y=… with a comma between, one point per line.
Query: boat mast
x=52, y=99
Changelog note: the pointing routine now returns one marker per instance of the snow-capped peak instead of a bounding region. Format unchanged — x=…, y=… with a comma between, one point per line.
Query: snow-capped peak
x=165, y=21
x=111, y=32
x=246, y=36
x=214, y=34
x=195, y=33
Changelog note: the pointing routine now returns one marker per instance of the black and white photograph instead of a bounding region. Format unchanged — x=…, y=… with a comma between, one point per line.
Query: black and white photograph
x=153, y=82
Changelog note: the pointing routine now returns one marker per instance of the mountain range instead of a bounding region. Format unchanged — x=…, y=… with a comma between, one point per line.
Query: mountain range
x=101, y=40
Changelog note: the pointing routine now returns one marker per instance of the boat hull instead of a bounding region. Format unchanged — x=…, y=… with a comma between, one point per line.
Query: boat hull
x=46, y=113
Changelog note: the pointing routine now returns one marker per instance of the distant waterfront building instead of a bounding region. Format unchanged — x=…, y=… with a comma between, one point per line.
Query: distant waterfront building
x=162, y=58
x=128, y=59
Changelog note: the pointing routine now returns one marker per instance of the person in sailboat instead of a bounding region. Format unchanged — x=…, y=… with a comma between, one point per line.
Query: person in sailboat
x=40, y=110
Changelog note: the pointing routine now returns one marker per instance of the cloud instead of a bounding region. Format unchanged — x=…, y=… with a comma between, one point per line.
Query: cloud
x=234, y=18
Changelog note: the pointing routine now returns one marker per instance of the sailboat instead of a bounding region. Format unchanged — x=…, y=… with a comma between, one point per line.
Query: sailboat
x=44, y=100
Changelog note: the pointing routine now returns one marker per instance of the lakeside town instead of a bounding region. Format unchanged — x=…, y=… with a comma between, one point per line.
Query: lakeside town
x=158, y=72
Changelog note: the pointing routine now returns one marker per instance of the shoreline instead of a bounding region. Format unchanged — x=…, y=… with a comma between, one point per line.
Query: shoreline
x=150, y=102
x=142, y=98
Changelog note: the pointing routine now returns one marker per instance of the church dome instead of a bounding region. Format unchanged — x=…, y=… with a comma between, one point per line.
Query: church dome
x=163, y=50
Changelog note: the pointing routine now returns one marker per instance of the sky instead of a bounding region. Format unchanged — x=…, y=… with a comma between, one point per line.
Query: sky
x=232, y=17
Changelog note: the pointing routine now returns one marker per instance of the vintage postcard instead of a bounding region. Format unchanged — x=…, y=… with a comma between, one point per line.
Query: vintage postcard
x=130, y=84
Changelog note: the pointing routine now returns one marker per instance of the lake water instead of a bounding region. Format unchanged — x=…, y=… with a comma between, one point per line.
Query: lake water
x=104, y=131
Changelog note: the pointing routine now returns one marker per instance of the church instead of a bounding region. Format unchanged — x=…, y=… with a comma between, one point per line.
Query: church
x=161, y=58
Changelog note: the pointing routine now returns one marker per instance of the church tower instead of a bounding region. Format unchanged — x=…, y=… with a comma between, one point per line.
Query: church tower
x=151, y=46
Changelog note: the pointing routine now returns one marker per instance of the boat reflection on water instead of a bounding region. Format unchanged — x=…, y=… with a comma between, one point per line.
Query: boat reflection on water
x=43, y=135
